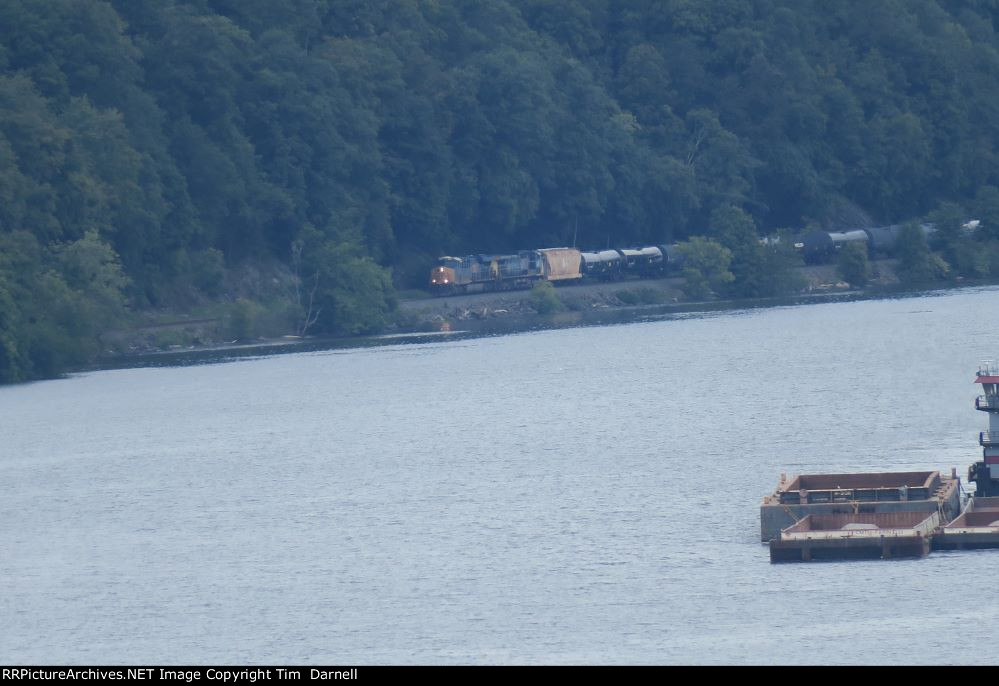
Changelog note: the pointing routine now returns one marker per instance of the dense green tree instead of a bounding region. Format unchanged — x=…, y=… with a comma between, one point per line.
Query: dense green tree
x=780, y=269
x=544, y=299
x=986, y=206
x=916, y=264
x=54, y=303
x=853, y=266
x=705, y=267
x=353, y=294
x=956, y=241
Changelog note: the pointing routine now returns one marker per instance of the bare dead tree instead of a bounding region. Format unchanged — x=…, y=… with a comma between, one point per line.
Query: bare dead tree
x=310, y=313
x=700, y=134
x=311, y=316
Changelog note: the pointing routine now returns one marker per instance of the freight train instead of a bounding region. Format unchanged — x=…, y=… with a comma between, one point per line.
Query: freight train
x=479, y=273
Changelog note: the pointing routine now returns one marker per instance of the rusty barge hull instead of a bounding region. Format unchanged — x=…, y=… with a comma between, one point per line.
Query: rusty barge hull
x=878, y=493
x=880, y=535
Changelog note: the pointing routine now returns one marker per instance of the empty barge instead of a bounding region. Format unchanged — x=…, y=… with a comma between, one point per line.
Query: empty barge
x=858, y=494
x=889, y=514
x=856, y=536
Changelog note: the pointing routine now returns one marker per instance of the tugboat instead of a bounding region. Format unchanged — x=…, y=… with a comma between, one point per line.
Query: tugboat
x=985, y=474
x=902, y=514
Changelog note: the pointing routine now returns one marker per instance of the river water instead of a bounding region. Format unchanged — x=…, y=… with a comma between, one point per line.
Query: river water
x=581, y=495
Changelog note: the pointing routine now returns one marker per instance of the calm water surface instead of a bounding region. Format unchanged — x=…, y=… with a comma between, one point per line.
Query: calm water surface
x=570, y=496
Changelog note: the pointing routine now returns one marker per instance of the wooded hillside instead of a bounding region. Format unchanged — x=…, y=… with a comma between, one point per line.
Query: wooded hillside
x=149, y=147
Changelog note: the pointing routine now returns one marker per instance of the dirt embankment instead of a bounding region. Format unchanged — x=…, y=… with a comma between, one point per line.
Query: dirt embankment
x=588, y=296
x=579, y=296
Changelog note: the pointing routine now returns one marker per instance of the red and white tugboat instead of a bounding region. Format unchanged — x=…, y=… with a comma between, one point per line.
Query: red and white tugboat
x=985, y=474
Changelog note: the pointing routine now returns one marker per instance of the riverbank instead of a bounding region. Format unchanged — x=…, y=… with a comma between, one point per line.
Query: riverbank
x=248, y=324
x=487, y=314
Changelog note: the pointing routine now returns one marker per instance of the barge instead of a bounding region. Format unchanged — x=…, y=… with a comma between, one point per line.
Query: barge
x=889, y=514
x=856, y=536
x=858, y=494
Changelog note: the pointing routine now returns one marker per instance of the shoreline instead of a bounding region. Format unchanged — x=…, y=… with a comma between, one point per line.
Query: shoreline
x=431, y=325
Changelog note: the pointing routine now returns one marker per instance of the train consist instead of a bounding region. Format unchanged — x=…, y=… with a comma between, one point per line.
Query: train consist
x=479, y=273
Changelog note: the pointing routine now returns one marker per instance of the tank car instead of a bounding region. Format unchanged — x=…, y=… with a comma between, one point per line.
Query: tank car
x=642, y=261
x=605, y=264
x=819, y=246
x=882, y=239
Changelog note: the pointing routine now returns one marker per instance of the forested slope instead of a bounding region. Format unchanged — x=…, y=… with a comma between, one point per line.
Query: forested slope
x=150, y=147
